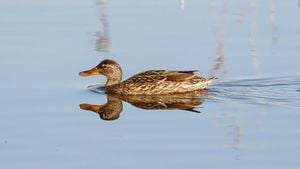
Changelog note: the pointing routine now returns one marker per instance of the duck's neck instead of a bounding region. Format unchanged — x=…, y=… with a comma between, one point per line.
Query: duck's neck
x=113, y=81
x=114, y=78
x=112, y=109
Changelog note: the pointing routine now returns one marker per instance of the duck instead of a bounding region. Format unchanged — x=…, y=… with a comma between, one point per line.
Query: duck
x=151, y=82
x=112, y=109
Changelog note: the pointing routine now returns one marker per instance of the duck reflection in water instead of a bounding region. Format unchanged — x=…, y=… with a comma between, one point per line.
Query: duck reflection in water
x=112, y=109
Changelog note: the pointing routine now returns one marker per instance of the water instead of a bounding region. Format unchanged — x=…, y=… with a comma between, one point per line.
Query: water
x=249, y=117
x=275, y=91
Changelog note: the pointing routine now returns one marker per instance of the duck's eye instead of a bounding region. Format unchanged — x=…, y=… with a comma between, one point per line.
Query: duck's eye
x=104, y=66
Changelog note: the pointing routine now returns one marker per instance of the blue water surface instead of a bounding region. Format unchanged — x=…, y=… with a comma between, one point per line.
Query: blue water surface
x=250, y=118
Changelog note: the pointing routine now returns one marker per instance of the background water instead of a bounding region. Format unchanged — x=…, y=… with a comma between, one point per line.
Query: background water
x=250, y=119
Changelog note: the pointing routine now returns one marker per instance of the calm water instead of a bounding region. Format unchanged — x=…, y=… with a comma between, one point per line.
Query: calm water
x=249, y=118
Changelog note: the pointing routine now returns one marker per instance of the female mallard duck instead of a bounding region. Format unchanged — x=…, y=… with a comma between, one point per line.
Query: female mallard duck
x=113, y=107
x=152, y=82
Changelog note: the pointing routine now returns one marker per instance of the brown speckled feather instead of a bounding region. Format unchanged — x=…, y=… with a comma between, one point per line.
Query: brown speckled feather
x=163, y=75
x=162, y=82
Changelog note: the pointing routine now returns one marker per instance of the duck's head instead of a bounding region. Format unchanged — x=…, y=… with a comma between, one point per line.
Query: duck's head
x=109, y=111
x=109, y=68
x=101, y=110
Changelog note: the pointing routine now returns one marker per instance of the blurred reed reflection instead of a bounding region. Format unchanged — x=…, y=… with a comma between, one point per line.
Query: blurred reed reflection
x=246, y=12
x=218, y=27
x=114, y=106
x=103, y=40
x=181, y=4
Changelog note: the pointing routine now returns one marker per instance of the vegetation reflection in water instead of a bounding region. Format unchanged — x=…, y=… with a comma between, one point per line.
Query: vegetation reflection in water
x=112, y=109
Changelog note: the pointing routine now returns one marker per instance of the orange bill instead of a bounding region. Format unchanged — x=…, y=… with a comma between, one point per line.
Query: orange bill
x=94, y=108
x=91, y=72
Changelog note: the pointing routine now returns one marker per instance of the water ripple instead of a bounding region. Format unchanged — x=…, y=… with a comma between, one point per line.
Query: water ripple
x=280, y=91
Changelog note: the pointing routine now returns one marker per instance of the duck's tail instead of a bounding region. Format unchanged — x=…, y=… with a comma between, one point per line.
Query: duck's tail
x=211, y=80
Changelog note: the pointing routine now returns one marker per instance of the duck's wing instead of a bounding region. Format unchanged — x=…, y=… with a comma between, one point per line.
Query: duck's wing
x=179, y=76
x=163, y=106
x=167, y=102
x=163, y=75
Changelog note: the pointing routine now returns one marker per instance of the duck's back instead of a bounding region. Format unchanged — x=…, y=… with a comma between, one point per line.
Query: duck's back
x=158, y=82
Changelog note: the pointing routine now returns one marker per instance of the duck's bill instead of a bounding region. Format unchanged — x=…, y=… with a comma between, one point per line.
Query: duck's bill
x=89, y=72
x=94, y=108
